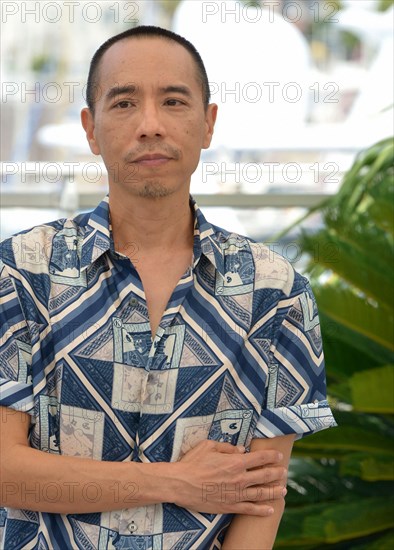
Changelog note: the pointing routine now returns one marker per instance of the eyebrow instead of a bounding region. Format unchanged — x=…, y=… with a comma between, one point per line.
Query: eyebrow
x=119, y=90
x=184, y=90
x=116, y=91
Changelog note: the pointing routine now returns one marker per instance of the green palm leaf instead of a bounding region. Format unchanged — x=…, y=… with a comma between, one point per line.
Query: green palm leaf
x=335, y=522
x=336, y=441
x=353, y=312
x=370, y=467
x=370, y=270
x=373, y=390
x=341, y=481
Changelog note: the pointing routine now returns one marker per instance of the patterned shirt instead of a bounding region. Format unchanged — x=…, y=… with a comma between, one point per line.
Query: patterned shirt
x=237, y=355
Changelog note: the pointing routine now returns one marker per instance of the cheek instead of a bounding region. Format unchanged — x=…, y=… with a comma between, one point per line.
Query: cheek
x=109, y=140
x=194, y=133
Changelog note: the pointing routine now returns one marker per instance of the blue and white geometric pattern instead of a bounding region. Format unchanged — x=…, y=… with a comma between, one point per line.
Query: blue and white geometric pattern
x=237, y=355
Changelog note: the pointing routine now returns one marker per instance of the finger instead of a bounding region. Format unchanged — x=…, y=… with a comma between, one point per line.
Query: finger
x=228, y=448
x=251, y=509
x=261, y=458
x=264, y=476
x=263, y=493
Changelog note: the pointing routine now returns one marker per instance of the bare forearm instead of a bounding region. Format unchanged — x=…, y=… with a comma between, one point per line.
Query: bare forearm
x=253, y=533
x=35, y=480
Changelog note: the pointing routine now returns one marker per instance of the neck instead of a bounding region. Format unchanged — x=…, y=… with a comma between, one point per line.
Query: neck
x=151, y=227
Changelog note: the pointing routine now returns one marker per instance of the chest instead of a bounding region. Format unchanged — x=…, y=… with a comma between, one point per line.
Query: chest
x=116, y=391
x=159, y=277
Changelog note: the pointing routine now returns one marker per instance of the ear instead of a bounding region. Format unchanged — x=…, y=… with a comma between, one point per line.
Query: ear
x=210, y=119
x=88, y=125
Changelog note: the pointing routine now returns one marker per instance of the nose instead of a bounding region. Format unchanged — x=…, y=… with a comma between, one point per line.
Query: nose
x=150, y=123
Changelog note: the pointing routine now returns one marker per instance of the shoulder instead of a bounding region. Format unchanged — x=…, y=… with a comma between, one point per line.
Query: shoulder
x=30, y=250
x=271, y=269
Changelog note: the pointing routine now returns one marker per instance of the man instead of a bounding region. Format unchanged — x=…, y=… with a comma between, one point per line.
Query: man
x=143, y=348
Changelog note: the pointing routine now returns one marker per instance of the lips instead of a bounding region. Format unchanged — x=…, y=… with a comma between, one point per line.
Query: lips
x=153, y=159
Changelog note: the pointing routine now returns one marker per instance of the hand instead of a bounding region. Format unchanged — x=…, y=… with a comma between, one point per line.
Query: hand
x=221, y=478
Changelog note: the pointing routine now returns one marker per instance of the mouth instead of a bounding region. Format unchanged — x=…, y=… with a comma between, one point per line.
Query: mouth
x=155, y=159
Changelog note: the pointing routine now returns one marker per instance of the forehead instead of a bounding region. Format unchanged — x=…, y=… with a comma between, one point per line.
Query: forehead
x=147, y=60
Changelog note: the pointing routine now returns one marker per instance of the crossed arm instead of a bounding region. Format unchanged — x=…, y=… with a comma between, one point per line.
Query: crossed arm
x=258, y=476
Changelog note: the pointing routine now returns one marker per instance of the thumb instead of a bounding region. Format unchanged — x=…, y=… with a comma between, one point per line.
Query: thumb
x=229, y=449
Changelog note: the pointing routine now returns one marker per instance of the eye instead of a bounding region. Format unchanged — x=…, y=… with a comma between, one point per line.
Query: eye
x=174, y=102
x=124, y=104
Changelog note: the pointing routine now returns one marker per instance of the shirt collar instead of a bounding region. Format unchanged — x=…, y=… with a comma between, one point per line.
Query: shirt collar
x=206, y=240
x=97, y=234
x=97, y=238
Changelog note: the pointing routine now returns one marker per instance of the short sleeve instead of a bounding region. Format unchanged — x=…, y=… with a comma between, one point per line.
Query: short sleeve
x=16, y=390
x=295, y=399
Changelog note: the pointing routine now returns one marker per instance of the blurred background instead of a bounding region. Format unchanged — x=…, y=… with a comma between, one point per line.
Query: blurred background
x=302, y=158
x=302, y=86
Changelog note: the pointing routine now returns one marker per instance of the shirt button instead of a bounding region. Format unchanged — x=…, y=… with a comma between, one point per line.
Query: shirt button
x=133, y=302
x=132, y=527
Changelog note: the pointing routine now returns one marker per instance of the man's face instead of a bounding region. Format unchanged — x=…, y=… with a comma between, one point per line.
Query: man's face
x=149, y=123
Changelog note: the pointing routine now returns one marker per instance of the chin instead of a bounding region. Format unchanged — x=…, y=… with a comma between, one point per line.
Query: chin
x=154, y=190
